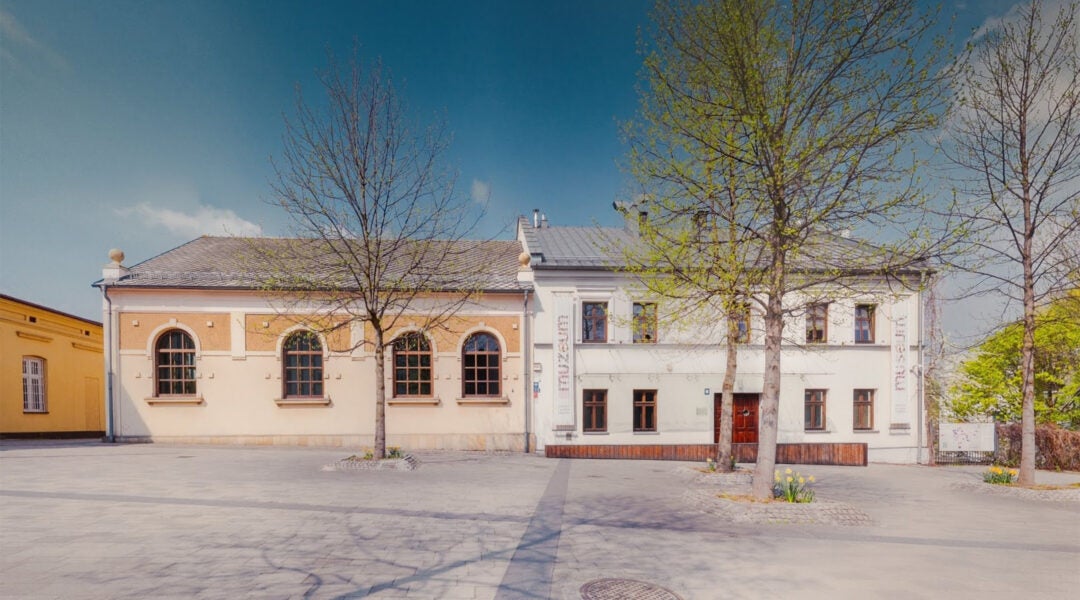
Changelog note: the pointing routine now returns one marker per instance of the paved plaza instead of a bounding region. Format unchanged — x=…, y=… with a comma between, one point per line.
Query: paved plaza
x=89, y=520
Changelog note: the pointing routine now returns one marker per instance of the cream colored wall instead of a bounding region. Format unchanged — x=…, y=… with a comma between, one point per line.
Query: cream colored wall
x=239, y=380
x=74, y=362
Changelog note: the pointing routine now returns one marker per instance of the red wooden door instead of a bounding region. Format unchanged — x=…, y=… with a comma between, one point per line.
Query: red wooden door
x=744, y=421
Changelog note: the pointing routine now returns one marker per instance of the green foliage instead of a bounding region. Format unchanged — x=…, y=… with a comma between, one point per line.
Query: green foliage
x=992, y=380
x=999, y=475
x=394, y=452
x=792, y=487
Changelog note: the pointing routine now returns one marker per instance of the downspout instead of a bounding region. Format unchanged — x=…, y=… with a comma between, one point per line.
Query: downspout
x=528, y=368
x=922, y=370
x=109, y=434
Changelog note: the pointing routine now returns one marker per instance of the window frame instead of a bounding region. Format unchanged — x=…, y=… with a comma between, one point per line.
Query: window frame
x=814, y=334
x=645, y=406
x=185, y=367
x=315, y=381
x=742, y=314
x=869, y=322
x=423, y=349
x=644, y=324
x=593, y=405
x=28, y=379
x=595, y=321
x=493, y=362
x=814, y=401
x=866, y=405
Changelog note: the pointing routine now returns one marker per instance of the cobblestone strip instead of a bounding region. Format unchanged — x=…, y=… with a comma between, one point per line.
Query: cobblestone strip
x=1063, y=495
x=532, y=568
x=706, y=494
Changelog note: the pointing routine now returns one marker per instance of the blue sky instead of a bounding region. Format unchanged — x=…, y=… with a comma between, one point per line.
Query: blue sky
x=143, y=124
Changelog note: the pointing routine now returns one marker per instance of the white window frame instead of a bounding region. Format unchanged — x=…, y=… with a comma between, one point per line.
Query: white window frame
x=34, y=400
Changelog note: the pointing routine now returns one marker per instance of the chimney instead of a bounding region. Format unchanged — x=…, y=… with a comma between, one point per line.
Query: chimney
x=543, y=221
x=536, y=218
x=642, y=219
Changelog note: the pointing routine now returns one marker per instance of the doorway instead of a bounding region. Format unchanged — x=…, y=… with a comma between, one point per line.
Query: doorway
x=744, y=422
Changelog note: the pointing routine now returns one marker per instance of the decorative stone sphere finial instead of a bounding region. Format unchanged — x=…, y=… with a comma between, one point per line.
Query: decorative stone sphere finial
x=523, y=259
x=116, y=255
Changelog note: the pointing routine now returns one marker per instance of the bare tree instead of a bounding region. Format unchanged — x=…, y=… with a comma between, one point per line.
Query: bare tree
x=381, y=234
x=1016, y=132
x=808, y=108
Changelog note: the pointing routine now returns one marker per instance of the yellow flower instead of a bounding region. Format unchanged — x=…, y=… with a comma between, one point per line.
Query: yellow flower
x=777, y=478
x=801, y=481
x=811, y=479
x=789, y=479
x=787, y=471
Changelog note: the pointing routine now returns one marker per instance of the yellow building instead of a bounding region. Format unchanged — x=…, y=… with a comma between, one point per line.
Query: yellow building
x=51, y=366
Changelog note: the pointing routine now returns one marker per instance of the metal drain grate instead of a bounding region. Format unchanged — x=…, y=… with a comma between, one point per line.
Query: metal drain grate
x=625, y=589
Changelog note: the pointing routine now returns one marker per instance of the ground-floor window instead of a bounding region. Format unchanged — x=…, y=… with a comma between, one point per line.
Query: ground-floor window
x=644, y=410
x=594, y=415
x=814, y=415
x=33, y=378
x=863, y=409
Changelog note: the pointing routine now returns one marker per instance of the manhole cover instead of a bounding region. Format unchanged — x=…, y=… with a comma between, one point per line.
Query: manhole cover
x=625, y=589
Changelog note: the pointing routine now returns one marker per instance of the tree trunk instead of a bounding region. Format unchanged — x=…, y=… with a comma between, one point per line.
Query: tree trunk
x=770, y=397
x=723, y=451
x=1027, y=359
x=380, y=394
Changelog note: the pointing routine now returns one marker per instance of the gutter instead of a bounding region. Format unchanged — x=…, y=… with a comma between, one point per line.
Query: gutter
x=527, y=356
x=107, y=331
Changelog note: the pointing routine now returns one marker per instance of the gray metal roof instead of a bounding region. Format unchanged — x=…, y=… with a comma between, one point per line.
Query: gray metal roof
x=606, y=248
x=251, y=263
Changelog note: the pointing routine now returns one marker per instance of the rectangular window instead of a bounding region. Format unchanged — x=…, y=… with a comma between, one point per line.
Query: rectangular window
x=741, y=324
x=644, y=323
x=644, y=410
x=817, y=319
x=594, y=321
x=864, y=323
x=33, y=378
x=814, y=416
x=863, y=409
x=595, y=411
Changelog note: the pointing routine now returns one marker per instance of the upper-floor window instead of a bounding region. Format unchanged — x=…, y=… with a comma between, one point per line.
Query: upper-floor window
x=174, y=364
x=412, y=365
x=864, y=323
x=740, y=323
x=594, y=413
x=644, y=322
x=863, y=409
x=817, y=323
x=302, y=358
x=33, y=384
x=480, y=366
x=814, y=410
x=594, y=321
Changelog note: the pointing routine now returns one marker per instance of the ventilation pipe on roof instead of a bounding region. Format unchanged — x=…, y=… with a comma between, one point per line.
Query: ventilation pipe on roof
x=536, y=218
x=642, y=219
x=543, y=221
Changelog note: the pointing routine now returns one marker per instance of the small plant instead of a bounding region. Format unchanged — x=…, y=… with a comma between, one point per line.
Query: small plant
x=394, y=452
x=999, y=475
x=710, y=465
x=369, y=454
x=792, y=487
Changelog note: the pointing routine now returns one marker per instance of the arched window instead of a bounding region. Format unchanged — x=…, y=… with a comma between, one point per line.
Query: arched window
x=303, y=363
x=480, y=365
x=412, y=365
x=174, y=364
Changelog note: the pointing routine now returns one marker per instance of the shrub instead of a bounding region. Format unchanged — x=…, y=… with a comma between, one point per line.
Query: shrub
x=792, y=487
x=394, y=452
x=1056, y=448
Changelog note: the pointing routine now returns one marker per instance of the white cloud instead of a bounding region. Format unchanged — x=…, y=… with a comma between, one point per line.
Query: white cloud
x=481, y=191
x=15, y=38
x=205, y=220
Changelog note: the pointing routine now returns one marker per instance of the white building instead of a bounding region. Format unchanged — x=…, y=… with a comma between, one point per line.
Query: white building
x=607, y=372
